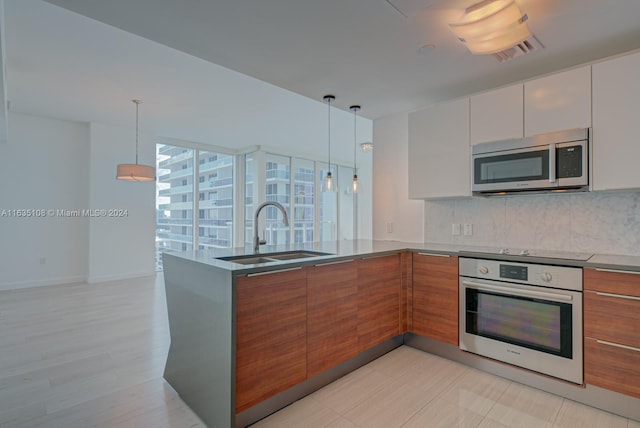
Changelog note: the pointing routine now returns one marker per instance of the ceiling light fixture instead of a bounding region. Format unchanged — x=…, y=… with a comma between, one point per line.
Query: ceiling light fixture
x=355, y=109
x=491, y=26
x=135, y=171
x=367, y=146
x=328, y=184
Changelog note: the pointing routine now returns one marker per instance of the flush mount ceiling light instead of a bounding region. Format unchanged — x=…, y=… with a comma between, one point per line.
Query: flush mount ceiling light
x=327, y=184
x=491, y=26
x=135, y=171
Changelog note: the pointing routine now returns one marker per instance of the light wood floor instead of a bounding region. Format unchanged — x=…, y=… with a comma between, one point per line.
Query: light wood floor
x=82, y=355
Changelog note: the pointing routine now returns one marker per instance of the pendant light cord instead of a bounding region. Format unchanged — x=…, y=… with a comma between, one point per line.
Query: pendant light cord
x=329, y=130
x=355, y=162
x=355, y=109
x=137, y=103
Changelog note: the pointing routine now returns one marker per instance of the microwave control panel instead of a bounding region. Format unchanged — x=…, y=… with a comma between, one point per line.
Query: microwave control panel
x=569, y=161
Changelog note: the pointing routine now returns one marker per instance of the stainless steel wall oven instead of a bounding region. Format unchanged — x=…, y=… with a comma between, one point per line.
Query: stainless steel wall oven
x=525, y=314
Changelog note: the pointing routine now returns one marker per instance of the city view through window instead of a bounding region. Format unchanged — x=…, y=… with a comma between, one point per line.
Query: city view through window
x=195, y=192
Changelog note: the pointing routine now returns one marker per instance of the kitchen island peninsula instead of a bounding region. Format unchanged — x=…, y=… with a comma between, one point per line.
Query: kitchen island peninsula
x=251, y=333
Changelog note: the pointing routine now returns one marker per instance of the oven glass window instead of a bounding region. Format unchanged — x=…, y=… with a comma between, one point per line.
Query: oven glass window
x=525, y=166
x=532, y=323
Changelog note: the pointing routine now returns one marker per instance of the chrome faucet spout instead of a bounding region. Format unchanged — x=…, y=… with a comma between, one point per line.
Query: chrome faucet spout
x=256, y=239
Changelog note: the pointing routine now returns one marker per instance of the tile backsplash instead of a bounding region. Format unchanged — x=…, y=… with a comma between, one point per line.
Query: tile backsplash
x=602, y=223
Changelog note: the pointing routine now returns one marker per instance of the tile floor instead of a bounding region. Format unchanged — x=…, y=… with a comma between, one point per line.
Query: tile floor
x=409, y=388
x=92, y=355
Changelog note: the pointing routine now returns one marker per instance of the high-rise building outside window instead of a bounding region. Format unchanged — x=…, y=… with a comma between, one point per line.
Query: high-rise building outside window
x=179, y=213
x=295, y=183
x=196, y=193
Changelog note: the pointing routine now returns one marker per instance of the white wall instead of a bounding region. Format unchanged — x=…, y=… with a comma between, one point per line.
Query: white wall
x=391, y=203
x=60, y=165
x=120, y=247
x=44, y=165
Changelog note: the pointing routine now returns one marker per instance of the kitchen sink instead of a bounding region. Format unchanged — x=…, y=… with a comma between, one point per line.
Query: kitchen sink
x=247, y=260
x=295, y=255
x=272, y=257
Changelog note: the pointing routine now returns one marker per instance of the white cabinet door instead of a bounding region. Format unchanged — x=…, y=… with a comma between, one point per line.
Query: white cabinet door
x=558, y=102
x=439, y=153
x=497, y=115
x=616, y=115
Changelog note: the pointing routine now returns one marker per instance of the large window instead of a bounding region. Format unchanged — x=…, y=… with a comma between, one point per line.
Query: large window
x=278, y=189
x=193, y=196
x=295, y=183
x=196, y=197
x=303, y=200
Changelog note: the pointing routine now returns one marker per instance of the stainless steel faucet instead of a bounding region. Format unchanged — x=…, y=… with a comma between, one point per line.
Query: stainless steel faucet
x=256, y=239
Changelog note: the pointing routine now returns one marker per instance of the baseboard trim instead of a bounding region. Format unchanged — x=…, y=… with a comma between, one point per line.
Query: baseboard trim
x=19, y=285
x=108, y=278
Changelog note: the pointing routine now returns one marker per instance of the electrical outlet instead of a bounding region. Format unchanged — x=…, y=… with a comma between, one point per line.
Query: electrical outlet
x=390, y=227
x=455, y=229
x=43, y=260
x=468, y=229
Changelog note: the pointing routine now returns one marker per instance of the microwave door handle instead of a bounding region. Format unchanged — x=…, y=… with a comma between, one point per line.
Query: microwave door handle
x=552, y=163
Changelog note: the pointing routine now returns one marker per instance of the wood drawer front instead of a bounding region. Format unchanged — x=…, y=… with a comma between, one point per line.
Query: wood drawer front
x=435, y=297
x=612, y=282
x=332, y=302
x=271, y=335
x=613, y=318
x=379, y=292
x=611, y=367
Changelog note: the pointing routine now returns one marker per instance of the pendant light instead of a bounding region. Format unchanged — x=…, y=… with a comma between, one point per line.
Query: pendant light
x=327, y=184
x=135, y=171
x=355, y=109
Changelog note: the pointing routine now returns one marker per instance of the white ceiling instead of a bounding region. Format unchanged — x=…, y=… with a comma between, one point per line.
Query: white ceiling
x=62, y=64
x=369, y=51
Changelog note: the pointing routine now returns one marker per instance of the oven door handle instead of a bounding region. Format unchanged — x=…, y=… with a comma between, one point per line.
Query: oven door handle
x=519, y=292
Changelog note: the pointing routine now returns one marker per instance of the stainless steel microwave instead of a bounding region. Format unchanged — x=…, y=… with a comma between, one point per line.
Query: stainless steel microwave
x=557, y=161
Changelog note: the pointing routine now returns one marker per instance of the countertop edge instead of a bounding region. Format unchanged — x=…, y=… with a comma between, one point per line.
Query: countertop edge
x=340, y=251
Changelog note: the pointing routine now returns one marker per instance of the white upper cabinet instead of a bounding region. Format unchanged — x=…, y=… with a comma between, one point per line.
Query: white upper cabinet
x=558, y=102
x=497, y=115
x=616, y=115
x=439, y=153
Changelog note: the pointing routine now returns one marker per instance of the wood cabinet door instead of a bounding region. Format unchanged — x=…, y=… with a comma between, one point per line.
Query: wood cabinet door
x=379, y=291
x=611, y=366
x=612, y=317
x=332, y=323
x=271, y=334
x=612, y=338
x=615, y=282
x=435, y=297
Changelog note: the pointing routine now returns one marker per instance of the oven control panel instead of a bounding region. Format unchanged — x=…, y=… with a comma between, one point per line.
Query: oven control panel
x=524, y=273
